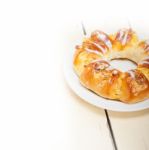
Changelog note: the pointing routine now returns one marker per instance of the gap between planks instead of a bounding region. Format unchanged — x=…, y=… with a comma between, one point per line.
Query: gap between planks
x=106, y=112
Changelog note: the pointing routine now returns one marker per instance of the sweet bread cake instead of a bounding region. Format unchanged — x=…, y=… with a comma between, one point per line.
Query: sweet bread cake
x=92, y=65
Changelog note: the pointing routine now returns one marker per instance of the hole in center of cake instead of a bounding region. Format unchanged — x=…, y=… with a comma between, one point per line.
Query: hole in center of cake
x=123, y=64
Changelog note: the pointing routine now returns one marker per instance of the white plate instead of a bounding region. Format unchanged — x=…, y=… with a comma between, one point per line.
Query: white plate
x=90, y=97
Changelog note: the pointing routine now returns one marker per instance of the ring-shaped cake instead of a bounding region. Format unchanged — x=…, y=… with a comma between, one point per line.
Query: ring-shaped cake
x=92, y=65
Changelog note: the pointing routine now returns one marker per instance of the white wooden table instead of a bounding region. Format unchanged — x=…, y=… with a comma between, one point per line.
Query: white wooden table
x=130, y=129
x=37, y=108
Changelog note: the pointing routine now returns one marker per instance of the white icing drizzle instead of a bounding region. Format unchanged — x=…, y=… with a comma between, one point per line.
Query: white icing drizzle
x=144, y=62
x=93, y=51
x=124, y=40
x=100, y=47
x=105, y=39
x=108, y=43
x=132, y=73
x=101, y=61
x=121, y=34
x=101, y=36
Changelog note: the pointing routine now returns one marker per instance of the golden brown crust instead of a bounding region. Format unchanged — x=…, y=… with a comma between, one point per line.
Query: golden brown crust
x=91, y=63
x=82, y=58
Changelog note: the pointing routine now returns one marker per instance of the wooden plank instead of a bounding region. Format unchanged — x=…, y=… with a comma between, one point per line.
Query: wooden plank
x=87, y=124
x=131, y=129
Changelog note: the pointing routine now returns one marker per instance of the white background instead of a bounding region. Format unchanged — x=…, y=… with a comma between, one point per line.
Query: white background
x=33, y=35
